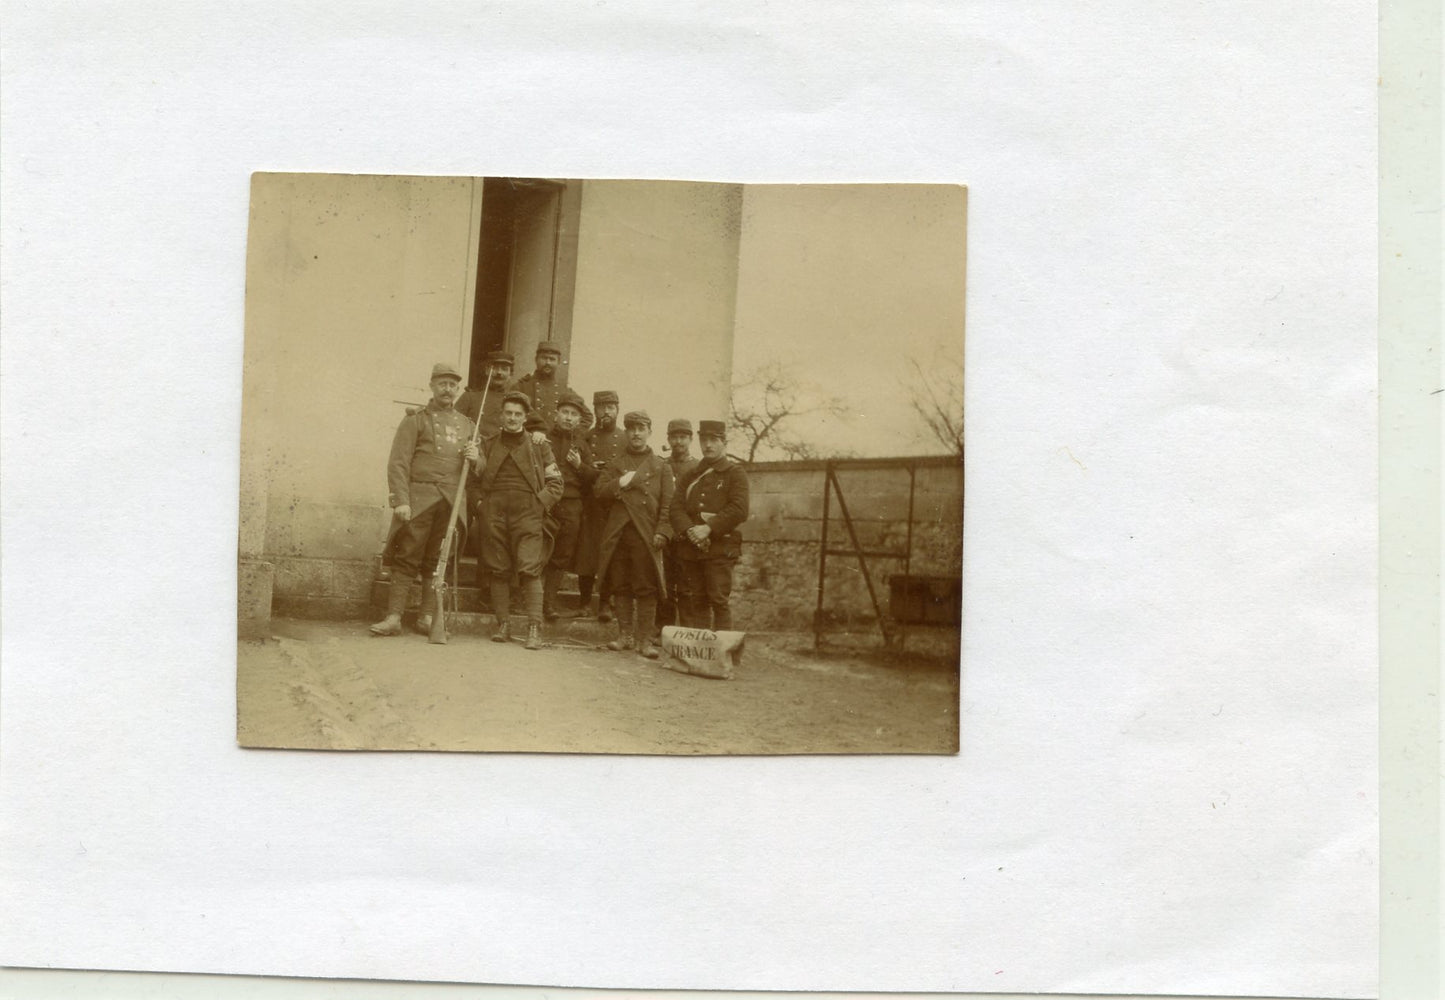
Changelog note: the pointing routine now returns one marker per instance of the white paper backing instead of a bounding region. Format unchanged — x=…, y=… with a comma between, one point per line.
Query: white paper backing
x=1168, y=772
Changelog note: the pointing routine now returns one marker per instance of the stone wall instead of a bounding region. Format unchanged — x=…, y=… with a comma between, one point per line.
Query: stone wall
x=776, y=585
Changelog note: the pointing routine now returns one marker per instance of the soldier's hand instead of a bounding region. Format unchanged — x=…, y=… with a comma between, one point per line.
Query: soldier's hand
x=402, y=513
x=698, y=534
x=626, y=478
x=574, y=458
x=471, y=452
x=658, y=542
x=539, y=437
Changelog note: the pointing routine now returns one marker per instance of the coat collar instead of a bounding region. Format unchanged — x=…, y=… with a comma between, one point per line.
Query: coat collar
x=527, y=461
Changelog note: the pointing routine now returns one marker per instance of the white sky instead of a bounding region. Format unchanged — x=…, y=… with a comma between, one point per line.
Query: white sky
x=843, y=282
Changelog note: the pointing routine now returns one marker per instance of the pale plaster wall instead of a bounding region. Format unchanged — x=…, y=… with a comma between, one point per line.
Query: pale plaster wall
x=355, y=285
x=844, y=282
x=657, y=267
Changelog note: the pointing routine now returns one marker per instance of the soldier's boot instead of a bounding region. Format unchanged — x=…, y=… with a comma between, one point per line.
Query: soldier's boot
x=428, y=605
x=501, y=607
x=604, y=607
x=646, y=619
x=395, y=605
x=584, y=592
x=532, y=604
x=722, y=618
x=625, y=638
x=551, y=583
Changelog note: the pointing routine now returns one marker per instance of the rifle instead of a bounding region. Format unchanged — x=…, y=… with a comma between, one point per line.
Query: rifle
x=439, y=578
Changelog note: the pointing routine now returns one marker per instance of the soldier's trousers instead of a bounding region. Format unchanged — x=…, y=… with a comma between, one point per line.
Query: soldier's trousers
x=512, y=534
x=669, y=604
x=568, y=513
x=704, y=589
x=417, y=544
x=631, y=571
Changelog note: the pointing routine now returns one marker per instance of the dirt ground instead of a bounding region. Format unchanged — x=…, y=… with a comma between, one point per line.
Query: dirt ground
x=330, y=685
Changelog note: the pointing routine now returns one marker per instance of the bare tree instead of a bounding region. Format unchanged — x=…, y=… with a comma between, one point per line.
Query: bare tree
x=936, y=395
x=765, y=399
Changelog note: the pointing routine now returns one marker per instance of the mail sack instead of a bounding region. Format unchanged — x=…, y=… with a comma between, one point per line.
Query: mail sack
x=702, y=651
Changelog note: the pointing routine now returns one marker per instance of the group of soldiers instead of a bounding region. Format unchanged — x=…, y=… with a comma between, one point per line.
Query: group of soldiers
x=556, y=487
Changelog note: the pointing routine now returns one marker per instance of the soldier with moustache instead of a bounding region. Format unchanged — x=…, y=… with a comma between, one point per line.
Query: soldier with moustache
x=574, y=457
x=489, y=413
x=681, y=462
x=638, y=489
x=606, y=441
x=427, y=455
x=711, y=502
x=543, y=387
x=519, y=482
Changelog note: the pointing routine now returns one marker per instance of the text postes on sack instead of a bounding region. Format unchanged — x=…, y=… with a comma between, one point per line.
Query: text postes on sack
x=702, y=652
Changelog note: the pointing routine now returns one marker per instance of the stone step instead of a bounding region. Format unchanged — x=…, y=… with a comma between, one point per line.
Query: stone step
x=469, y=599
x=581, y=633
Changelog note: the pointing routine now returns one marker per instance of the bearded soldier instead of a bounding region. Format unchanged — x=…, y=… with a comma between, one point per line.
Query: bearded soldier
x=712, y=501
x=520, y=482
x=637, y=486
x=422, y=475
x=543, y=387
x=606, y=441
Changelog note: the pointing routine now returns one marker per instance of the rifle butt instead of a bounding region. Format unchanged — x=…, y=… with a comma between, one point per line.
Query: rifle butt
x=439, y=617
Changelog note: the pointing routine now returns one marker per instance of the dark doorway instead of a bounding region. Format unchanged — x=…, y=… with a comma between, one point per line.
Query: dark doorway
x=526, y=269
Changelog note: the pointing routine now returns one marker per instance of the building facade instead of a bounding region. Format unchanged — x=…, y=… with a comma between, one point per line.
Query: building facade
x=356, y=285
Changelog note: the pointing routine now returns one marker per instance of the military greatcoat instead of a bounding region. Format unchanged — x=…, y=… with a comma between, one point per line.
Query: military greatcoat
x=426, y=457
x=645, y=503
x=605, y=447
x=720, y=491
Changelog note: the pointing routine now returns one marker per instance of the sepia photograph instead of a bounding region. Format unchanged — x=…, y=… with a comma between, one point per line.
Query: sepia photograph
x=601, y=466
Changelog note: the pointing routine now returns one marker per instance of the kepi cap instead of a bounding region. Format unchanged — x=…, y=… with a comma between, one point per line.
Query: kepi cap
x=500, y=357
x=604, y=396
x=712, y=428
x=549, y=347
x=636, y=417
x=679, y=426
x=569, y=398
x=443, y=369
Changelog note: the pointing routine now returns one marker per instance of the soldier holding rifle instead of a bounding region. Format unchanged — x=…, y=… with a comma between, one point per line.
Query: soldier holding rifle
x=422, y=476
